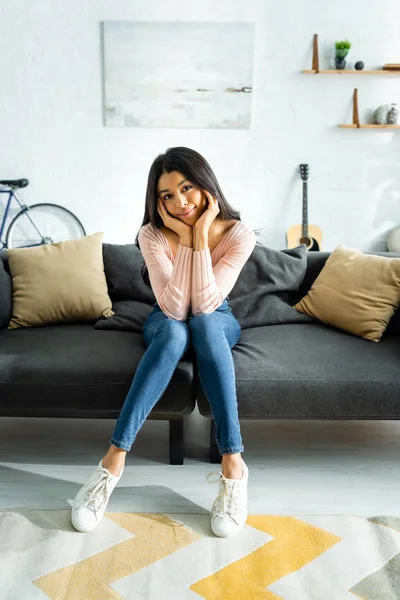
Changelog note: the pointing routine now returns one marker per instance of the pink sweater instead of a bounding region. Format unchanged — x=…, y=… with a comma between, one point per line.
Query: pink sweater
x=197, y=278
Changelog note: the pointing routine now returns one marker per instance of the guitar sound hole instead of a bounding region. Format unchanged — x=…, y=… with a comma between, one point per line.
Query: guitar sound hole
x=306, y=240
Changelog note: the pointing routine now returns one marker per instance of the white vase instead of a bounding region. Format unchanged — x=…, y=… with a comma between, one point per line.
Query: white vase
x=381, y=113
x=393, y=115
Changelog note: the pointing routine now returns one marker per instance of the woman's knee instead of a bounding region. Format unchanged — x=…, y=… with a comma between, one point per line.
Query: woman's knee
x=209, y=326
x=206, y=327
x=204, y=321
x=174, y=332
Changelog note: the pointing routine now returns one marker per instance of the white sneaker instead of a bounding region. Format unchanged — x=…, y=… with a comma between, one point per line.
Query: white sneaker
x=229, y=509
x=91, y=501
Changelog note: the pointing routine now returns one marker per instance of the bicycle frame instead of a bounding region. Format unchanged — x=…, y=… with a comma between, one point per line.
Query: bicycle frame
x=24, y=208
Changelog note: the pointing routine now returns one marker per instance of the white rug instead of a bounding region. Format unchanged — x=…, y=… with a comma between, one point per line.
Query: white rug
x=134, y=556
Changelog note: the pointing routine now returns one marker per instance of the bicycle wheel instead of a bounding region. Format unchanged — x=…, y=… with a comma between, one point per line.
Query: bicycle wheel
x=43, y=224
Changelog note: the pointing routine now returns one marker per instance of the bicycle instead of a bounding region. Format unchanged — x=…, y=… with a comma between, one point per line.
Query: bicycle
x=59, y=217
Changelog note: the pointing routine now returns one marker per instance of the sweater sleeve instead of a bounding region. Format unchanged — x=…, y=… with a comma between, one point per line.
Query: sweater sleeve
x=210, y=286
x=171, y=283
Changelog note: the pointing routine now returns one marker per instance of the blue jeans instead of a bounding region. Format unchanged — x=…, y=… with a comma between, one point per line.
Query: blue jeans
x=212, y=336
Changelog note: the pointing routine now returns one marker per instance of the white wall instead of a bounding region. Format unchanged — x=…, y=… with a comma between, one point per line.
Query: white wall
x=52, y=131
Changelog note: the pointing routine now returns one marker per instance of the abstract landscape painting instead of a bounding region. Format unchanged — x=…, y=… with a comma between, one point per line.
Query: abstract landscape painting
x=178, y=74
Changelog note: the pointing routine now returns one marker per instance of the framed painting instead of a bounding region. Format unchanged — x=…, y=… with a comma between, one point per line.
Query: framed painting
x=177, y=74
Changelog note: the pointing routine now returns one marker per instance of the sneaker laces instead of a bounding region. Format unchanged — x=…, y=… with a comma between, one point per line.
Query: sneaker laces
x=226, y=501
x=96, y=492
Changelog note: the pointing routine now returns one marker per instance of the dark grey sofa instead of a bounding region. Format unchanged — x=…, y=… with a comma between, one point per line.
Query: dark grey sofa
x=287, y=364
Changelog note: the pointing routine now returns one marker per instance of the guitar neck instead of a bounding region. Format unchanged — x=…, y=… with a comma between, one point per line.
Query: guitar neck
x=305, y=210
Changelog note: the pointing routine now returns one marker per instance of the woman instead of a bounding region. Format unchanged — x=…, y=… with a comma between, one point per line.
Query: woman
x=194, y=246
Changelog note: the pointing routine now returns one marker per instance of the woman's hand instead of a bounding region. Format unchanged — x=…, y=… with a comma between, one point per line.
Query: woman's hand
x=203, y=223
x=181, y=228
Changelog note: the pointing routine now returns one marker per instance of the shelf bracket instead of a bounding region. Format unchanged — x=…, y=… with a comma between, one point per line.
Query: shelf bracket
x=356, y=120
x=315, y=60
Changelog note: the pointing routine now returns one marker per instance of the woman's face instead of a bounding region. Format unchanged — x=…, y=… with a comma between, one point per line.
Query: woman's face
x=179, y=195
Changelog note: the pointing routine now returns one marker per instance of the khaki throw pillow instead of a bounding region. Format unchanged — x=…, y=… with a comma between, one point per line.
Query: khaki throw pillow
x=64, y=281
x=356, y=292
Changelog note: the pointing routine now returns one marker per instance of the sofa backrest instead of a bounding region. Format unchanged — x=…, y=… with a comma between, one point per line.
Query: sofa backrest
x=315, y=264
x=5, y=291
x=3, y=256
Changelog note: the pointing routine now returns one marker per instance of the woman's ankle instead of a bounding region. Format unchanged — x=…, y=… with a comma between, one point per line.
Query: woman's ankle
x=114, y=466
x=232, y=466
x=116, y=453
x=114, y=459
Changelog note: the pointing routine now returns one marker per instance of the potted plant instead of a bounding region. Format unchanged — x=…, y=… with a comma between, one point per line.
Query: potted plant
x=342, y=50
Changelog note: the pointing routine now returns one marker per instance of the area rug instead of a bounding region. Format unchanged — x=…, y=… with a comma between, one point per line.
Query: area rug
x=155, y=556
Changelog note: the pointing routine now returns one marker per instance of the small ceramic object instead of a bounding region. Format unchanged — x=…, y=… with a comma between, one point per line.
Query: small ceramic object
x=359, y=65
x=381, y=113
x=393, y=115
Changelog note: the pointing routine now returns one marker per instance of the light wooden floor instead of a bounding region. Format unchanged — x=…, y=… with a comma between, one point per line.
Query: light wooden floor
x=295, y=467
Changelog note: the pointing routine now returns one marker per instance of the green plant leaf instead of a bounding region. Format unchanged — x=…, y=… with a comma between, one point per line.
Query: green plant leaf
x=343, y=45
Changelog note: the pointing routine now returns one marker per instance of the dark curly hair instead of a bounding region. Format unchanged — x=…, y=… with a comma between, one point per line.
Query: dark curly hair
x=194, y=167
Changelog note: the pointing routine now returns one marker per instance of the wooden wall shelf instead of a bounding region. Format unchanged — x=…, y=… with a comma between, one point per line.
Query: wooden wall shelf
x=350, y=72
x=368, y=126
x=315, y=70
x=356, y=121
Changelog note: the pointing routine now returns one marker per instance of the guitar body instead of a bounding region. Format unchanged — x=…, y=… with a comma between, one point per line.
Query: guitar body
x=295, y=237
x=310, y=235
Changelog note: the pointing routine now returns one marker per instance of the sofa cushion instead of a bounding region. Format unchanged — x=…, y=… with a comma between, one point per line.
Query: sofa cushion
x=122, y=266
x=58, y=282
x=268, y=285
x=299, y=371
x=72, y=370
x=316, y=262
x=356, y=292
x=130, y=315
x=5, y=296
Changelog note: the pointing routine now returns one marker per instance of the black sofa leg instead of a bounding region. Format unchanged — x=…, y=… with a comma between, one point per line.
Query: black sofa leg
x=215, y=456
x=176, y=442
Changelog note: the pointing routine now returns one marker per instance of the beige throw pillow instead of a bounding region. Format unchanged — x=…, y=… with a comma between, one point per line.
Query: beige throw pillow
x=355, y=292
x=64, y=281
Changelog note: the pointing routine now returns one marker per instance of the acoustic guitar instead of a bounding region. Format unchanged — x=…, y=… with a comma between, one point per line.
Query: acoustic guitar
x=310, y=235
